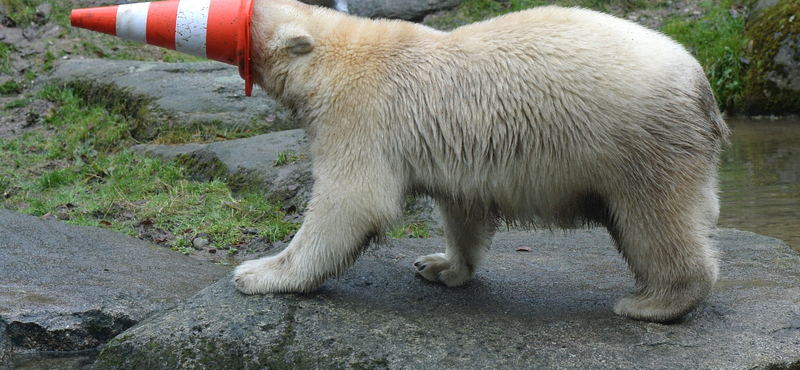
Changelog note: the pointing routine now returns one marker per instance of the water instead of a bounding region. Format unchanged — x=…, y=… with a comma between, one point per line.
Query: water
x=760, y=179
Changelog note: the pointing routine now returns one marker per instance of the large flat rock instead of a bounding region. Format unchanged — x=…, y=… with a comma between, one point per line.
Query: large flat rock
x=69, y=288
x=550, y=308
x=252, y=160
x=192, y=92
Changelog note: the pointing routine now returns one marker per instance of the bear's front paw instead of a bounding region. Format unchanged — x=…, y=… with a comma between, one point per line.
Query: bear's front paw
x=271, y=275
x=436, y=267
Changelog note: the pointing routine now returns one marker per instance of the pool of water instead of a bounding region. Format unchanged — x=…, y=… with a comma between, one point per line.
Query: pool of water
x=760, y=179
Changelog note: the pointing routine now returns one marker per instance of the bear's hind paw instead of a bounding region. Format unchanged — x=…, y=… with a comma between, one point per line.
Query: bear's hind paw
x=436, y=267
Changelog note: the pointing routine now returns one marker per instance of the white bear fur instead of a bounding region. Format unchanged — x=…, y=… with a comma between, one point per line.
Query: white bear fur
x=563, y=116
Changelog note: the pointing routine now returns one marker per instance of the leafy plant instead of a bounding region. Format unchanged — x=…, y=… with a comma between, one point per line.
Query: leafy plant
x=716, y=39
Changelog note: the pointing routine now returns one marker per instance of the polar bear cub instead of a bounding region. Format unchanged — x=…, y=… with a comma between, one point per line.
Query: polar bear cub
x=563, y=116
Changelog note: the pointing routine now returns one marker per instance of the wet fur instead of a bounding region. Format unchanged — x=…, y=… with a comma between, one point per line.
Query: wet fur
x=562, y=116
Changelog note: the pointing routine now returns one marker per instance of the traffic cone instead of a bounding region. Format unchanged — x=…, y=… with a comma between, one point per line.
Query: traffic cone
x=213, y=29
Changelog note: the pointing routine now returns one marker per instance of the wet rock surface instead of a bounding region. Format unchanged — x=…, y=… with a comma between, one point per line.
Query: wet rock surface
x=549, y=308
x=71, y=288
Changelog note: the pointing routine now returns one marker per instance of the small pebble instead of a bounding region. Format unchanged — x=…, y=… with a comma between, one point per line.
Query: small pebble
x=199, y=243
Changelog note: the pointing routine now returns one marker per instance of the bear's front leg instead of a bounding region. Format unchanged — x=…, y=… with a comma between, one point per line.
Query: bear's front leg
x=294, y=269
x=468, y=235
x=342, y=217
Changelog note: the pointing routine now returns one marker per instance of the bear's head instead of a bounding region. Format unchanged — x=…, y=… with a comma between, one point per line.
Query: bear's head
x=284, y=39
x=312, y=58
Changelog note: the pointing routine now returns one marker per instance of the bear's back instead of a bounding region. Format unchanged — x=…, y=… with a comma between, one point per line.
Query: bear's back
x=563, y=40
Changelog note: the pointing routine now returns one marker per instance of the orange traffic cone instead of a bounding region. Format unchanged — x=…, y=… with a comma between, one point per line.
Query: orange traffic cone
x=213, y=29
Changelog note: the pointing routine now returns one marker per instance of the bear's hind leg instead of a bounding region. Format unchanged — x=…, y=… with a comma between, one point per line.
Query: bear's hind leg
x=672, y=259
x=468, y=238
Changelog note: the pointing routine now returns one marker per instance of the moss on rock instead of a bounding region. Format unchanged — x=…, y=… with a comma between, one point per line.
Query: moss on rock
x=772, y=84
x=203, y=165
x=244, y=180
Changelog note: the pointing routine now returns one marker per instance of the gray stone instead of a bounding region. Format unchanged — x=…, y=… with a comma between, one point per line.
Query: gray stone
x=334, y=4
x=550, y=308
x=411, y=10
x=251, y=160
x=200, y=92
x=69, y=288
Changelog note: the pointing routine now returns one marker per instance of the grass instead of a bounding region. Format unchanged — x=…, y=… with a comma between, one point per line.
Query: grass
x=287, y=157
x=10, y=88
x=716, y=39
x=5, y=57
x=411, y=230
x=23, y=12
x=81, y=172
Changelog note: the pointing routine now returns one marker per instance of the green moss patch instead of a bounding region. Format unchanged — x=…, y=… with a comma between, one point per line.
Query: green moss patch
x=771, y=30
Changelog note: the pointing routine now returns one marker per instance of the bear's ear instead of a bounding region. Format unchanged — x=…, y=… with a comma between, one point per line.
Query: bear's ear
x=299, y=45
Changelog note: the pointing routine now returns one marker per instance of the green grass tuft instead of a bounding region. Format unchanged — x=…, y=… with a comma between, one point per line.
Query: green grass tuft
x=287, y=157
x=5, y=57
x=411, y=230
x=10, y=88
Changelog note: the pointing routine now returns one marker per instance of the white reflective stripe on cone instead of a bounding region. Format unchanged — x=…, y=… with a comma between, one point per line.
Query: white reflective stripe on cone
x=190, y=27
x=132, y=22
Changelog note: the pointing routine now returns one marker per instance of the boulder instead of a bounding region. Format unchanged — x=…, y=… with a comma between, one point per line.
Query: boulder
x=549, y=308
x=191, y=93
x=410, y=10
x=250, y=162
x=72, y=288
x=772, y=82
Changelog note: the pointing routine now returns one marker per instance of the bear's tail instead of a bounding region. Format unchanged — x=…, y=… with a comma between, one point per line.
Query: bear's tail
x=709, y=108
